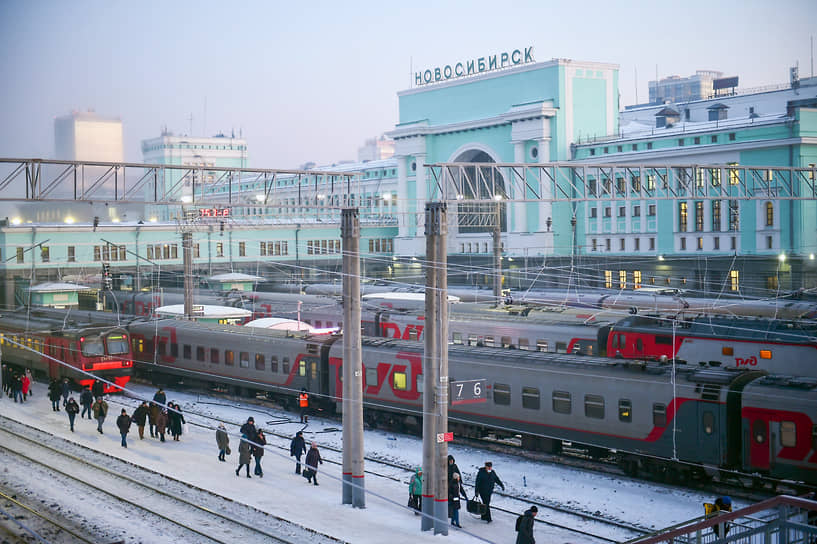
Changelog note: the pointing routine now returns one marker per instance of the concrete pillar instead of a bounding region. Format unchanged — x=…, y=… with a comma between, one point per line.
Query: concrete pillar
x=430, y=376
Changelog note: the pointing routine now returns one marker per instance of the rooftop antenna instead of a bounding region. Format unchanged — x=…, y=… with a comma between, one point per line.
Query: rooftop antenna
x=191, y=124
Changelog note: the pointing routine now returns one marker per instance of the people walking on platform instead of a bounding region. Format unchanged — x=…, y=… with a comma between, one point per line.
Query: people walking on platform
x=17, y=388
x=176, y=418
x=72, y=409
x=249, y=429
x=65, y=390
x=297, y=448
x=153, y=413
x=486, y=480
x=98, y=389
x=258, y=452
x=313, y=459
x=100, y=409
x=455, y=491
x=139, y=417
x=6, y=377
x=123, y=422
x=86, y=399
x=54, y=395
x=524, y=526
x=25, y=384
x=161, y=424
x=30, y=382
x=160, y=398
x=416, y=490
x=303, y=403
x=244, y=455
x=222, y=441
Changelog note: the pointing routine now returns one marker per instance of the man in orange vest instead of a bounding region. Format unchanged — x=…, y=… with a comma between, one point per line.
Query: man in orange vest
x=303, y=402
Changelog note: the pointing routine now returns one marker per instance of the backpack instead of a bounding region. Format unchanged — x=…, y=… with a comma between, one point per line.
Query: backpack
x=519, y=522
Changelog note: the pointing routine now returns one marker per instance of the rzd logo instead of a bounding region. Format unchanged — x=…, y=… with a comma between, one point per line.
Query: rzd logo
x=749, y=361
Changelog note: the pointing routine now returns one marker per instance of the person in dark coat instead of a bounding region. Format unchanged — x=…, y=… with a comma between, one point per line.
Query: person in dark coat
x=258, y=452
x=6, y=377
x=72, y=409
x=98, y=389
x=174, y=413
x=244, y=455
x=17, y=389
x=86, y=399
x=100, y=409
x=297, y=448
x=486, y=480
x=249, y=429
x=455, y=491
x=123, y=422
x=525, y=528
x=139, y=417
x=161, y=424
x=153, y=412
x=222, y=441
x=453, y=469
x=313, y=459
x=65, y=390
x=160, y=398
x=54, y=395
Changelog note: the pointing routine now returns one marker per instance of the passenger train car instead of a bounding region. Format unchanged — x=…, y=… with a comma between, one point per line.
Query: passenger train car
x=705, y=419
x=39, y=343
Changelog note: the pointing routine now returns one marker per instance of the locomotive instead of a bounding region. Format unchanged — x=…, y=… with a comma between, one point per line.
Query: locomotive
x=663, y=421
x=37, y=341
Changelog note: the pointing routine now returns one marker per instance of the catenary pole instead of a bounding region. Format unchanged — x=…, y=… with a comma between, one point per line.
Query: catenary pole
x=187, y=255
x=353, y=481
x=429, y=378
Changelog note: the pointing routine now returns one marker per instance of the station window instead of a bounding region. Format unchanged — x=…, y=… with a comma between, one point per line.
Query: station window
x=260, y=363
x=502, y=393
x=214, y=356
x=371, y=377
x=788, y=434
x=399, y=381
x=244, y=359
x=21, y=255
x=625, y=410
x=530, y=398
x=72, y=254
x=659, y=415
x=561, y=402
x=229, y=357
x=594, y=406
x=200, y=353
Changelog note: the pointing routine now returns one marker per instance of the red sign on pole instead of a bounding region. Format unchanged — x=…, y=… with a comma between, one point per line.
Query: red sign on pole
x=448, y=437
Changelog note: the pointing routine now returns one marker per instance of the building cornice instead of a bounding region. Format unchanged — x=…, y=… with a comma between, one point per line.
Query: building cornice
x=633, y=157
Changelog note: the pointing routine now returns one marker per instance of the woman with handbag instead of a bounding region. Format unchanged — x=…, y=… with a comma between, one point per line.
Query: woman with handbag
x=455, y=491
x=222, y=441
x=416, y=491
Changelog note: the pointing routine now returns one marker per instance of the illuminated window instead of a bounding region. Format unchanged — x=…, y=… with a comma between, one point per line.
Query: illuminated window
x=682, y=216
x=715, y=176
x=229, y=358
x=788, y=434
x=716, y=215
x=622, y=279
x=650, y=182
x=400, y=381
x=734, y=280
x=625, y=410
x=734, y=176
x=699, y=215
x=636, y=279
x=769, y=214
x=219, y=249
x=765, y=354
x=608, y=279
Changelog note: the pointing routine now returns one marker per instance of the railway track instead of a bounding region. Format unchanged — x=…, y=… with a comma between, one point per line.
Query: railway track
x=25, y=521
x=173, y=509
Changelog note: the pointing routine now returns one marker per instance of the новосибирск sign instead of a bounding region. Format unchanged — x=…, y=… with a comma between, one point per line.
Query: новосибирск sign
x=475, y=66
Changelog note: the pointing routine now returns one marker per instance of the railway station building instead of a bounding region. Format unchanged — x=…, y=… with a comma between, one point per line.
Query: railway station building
x=501, y=109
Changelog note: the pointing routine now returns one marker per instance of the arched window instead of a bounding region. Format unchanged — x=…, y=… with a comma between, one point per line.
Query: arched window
x=769, y=214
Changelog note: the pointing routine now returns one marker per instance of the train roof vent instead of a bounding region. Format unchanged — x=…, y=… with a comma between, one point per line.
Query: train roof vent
x=312, y=348
x=711, y=392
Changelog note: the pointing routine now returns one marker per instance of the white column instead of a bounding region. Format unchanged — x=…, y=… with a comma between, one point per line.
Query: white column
x=520, y=209
x=402, y=197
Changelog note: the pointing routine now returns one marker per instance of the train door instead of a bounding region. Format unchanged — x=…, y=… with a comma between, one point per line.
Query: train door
x=759, y=444
x=710, y=428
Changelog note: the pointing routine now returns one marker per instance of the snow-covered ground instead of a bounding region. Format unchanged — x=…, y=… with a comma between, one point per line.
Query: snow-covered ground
x=281, y=492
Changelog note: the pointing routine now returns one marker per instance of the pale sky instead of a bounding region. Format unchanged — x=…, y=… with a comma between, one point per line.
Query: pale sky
x=310, y=81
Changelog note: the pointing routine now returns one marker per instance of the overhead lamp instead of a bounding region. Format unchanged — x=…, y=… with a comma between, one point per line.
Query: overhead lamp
x=187, y=199
x=660, y=257
x=497, y=197
x=153, y=219
x=16, y=221
x=811, y=256
x=260, y=198
x=782, y=257
x=69, y=220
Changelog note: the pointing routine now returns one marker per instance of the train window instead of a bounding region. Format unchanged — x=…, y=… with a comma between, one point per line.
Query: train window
x=200, y=353
x=472, y=339
x=759, y=431
x=244, y=359
x=313, y=370
x=174, y=350
x=457, y=336
x=594, y=406
x=561, y=347
x=489, y=341
x=187, y=351
x=214, y=356
x=502, y=393
x=273, y=363
x=92, y=346
x=788, y=434
x=639, y=344
x=139, y=345
x=318, y=323
x=399, y=381
x=285, y=365
x=229, y=357
x=765, y=354
x=541, y=345
x=561, y=402
x=666, y=340
x=659, y=415
x=371, y=377
x=419, y=383
x=260, y=363
x=302, y=368
x=506, y=341
x=727, y=350
x=524, y=344
x=414, y=334
x=116, y=344
x=709, y=422
x=625, y=410
x=530, y=398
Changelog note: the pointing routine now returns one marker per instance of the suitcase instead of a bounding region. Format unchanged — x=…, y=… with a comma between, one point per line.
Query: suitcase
x=475, y=506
